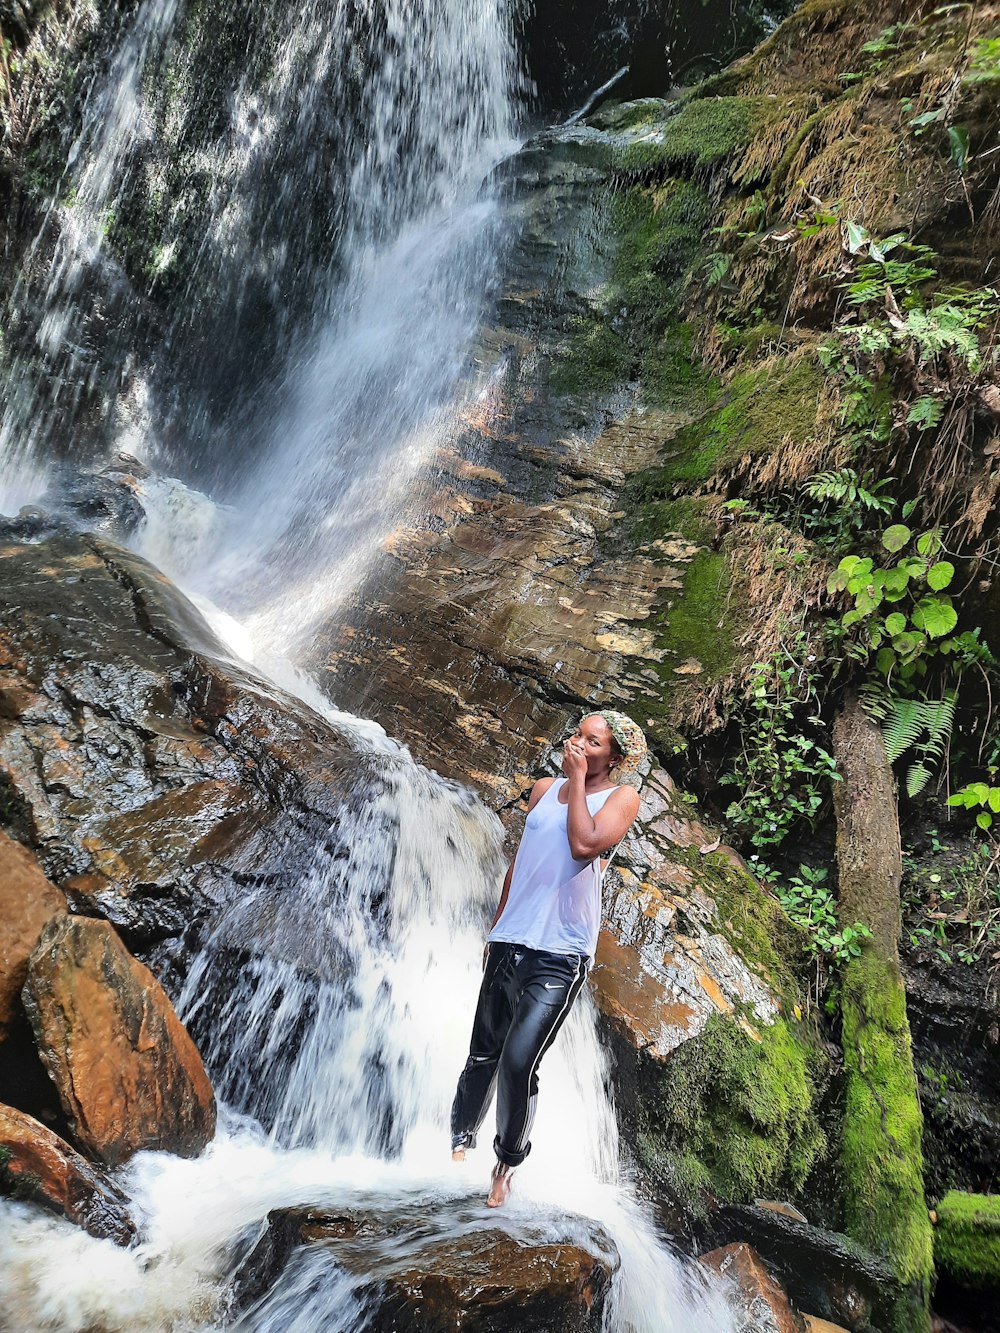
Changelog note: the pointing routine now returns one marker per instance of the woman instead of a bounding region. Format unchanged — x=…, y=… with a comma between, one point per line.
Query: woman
x=544, y=935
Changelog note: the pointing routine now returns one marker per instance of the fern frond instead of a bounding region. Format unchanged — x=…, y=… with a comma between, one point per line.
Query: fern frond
x=938, y=717
x=902, y=728
x=917, y=777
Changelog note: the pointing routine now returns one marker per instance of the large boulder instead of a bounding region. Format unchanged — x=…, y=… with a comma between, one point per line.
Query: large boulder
x=27, y=902
x=419, y=1272
x=128, y=1075
x=153, y=777
x=36, y=1164
x=757, y=1300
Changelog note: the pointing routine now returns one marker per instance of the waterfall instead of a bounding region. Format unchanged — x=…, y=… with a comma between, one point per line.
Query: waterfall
x=284, y=398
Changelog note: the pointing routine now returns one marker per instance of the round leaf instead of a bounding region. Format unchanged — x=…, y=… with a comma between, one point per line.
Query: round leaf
x=984, y=820
x=895, y=624
x=929, y=543
x=935, y=616
x=908, y=645
x=885, y=660
x=940, y=575
x=896, y=537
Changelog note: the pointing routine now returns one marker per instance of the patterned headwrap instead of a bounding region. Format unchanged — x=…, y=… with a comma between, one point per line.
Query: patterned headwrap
x=631, y=742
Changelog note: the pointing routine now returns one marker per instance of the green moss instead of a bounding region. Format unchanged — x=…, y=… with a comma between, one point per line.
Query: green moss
x=754, y=923
x=696, y=624
x=637, y=331
x=881, y=1151
x=756, y=411
x=967, y=1238
x=703, y=133
x=619, y=116
x=596, y=361
x=736, y=1116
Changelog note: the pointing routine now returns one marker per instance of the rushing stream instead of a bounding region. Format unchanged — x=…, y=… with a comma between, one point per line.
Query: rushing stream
x=334, y=1034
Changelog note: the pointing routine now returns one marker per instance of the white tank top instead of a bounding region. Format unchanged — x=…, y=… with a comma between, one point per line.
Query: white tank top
x=554, y=901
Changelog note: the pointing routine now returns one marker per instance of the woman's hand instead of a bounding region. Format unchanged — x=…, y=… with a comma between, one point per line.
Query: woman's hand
x=574, y=761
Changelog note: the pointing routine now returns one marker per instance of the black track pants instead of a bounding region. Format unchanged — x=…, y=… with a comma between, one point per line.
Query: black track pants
x=524, y=998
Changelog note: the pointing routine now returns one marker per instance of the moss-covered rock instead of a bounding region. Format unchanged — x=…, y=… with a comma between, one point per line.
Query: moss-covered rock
x=882, y=1125
x=734, y=1115
x=704, y=132
x=967, y=1239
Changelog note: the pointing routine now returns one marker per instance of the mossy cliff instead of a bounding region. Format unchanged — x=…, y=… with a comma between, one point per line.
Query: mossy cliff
x=744, y=210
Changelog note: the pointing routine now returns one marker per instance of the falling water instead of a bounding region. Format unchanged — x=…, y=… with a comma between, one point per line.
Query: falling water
x=335, y=1024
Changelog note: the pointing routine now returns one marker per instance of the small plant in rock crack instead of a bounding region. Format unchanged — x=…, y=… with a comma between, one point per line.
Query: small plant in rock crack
x=782, y=771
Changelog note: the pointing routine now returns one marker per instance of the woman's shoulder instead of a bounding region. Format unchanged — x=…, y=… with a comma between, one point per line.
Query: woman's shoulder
x=539, y=790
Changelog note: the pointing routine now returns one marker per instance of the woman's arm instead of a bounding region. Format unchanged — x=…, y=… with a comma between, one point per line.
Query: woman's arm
x=590, y=834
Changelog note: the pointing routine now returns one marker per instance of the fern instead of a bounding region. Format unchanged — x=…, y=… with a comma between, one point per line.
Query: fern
x=920, y=725
x=903, y=728
x=846, y=486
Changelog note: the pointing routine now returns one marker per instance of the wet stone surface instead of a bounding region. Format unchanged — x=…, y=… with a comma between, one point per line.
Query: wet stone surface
x=443, y=1269
x=152, y=778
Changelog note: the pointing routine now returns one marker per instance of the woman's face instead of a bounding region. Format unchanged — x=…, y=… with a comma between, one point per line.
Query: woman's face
x=599, y=746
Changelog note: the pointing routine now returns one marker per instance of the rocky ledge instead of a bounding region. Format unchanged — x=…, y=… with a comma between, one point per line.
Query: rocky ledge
x=420, y=1273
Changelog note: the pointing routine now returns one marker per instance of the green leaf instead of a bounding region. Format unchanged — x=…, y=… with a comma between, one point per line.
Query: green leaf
x=885, y=660
x=929, y=543
x=993, y=800
x=895, y=623
x=958, y=139
x=927, y=118
x=896, y=537
x=940, y=575
x=908, y=645
x=857, y=236
x=935, y=616
x=925, y=412
x=984, y=820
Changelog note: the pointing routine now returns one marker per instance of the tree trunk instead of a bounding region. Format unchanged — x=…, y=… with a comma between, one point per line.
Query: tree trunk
x=881, y=1150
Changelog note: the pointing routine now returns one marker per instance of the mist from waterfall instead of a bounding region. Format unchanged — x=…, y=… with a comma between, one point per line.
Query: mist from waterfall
x=334, y=1025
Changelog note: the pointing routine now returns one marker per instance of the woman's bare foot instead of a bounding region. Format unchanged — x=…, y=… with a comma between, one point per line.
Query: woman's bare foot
x=458, y=1154
x=500, y=1182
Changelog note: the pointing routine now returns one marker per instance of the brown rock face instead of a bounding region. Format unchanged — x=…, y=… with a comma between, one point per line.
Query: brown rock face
x=763, y=1307
x=128, y=1074
x=36, y=1164
x=420, y=1274
x=149, y=774
x=27, y=901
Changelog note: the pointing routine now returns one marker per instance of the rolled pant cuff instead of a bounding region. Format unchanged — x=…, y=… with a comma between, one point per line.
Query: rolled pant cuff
x=509, y=1158
x=464, y=1140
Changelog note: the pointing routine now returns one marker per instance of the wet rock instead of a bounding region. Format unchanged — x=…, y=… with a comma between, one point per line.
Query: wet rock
x=822, y=1271
x=438, y=1270
x=954, y=1015
x=664, y=963
x=759, y=1304
x=128, y=1075
x=27, y=902
x=29, y=524
x=37, y=1165
x=815, y=1325
x=154, y=779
